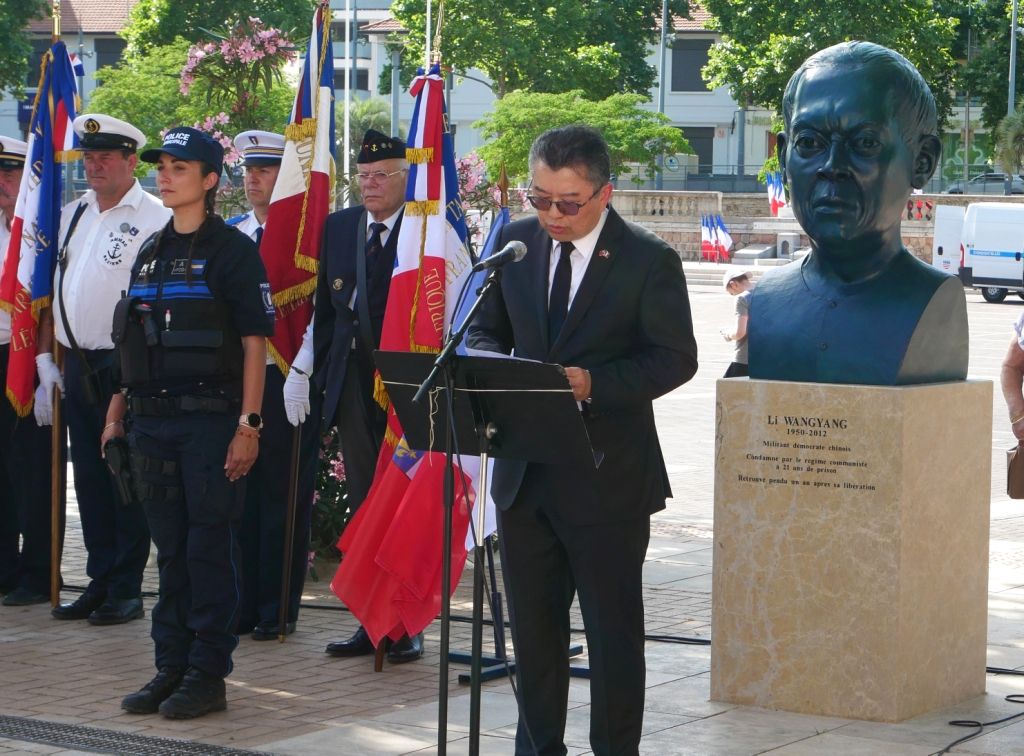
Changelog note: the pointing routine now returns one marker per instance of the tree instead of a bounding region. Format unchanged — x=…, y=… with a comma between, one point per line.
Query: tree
x=145, y=90
x=159, y=22
x=764, y=42
x=634, y=135
x=599, y=47
x=1010, y=142
x=15, y=52
x=985, y=75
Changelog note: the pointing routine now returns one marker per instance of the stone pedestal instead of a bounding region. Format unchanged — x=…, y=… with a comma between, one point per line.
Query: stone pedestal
x=851, y=546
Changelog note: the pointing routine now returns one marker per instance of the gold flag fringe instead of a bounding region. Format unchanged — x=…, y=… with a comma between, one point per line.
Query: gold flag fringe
x=299, y=291
x=39, y=305
x=390, y=438
x=20, y=409
x=380, y=393
x=422, y=207
x=281, y=362
x=419, y=154
x=67, y=156
x=296, y=132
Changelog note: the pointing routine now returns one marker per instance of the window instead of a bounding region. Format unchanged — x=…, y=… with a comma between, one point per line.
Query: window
x=108, y=51
x=362, y=80
x=701, y=139
x=689, y=56
x=338, y=38
x=39, y=48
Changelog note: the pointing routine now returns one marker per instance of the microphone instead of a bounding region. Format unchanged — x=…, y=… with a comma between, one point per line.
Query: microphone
x=514, y=252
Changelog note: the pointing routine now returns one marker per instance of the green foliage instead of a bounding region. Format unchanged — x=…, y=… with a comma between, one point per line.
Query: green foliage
x=330, y=501
x=1010, y=142
x=145, y=91
x=771, y=163
x=985, y=76
x=599, y=46
x=16, y=50
x=371, y=113
x=765, y=41
x=634, y=135
x=154, y=23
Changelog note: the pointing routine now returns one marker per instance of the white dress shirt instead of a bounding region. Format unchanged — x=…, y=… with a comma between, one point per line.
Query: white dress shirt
x=100, y=256
x=579, y=258
x=249, y=225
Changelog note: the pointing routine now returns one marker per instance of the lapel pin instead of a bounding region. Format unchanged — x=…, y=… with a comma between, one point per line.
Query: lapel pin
x=337, y=284
x=604, y=253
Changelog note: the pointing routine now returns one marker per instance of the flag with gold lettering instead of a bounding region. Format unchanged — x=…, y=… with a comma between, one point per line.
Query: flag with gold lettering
x=391, y=574
x=26, y=279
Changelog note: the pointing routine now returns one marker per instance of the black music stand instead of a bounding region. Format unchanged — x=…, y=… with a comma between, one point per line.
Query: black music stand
x=505, y=408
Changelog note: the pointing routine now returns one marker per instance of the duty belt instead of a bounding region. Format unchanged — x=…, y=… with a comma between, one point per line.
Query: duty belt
x=178, y=405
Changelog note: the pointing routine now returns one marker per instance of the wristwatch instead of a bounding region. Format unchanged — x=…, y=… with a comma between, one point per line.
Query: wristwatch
x=251, y=420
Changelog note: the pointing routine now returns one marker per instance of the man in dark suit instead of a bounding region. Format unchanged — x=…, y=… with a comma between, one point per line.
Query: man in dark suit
x=352, y=293
x=607, y=299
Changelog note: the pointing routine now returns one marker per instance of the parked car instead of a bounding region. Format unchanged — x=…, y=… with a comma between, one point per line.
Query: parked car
x=986, y=183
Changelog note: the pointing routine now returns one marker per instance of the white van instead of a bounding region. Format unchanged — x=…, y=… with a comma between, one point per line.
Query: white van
x=991, y=249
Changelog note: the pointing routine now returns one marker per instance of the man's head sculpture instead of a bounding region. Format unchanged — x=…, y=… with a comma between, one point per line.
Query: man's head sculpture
x=860, y=136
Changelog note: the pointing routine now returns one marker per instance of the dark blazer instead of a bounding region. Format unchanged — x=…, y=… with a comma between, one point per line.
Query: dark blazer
x=629, y=325
x=334, y=323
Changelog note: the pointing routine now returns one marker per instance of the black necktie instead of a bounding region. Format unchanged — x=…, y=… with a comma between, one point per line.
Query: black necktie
x=558, y=304
x=259, y=235
x=374, y=246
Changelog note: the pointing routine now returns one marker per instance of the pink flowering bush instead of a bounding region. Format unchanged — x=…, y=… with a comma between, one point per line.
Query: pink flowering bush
x=330, y=503
x=235, y=66
x=481, y=196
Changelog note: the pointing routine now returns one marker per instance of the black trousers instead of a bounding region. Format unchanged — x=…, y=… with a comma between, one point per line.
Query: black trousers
x=25, y=476
x=736, y=370
x=546, y=561
x=116, y=536
x=361, y=425
x=195, y=515
x=266, y=503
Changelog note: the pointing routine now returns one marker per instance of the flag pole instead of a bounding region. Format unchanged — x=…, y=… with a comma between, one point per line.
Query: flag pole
x=289, y=535
x=58, y=480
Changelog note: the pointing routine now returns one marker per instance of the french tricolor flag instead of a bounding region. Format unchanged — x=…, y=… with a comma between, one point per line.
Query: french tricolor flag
x=26, y=280
x=302, y=197
x=391, y=575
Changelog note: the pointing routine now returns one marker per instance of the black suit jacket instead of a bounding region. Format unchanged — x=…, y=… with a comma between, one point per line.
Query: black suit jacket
x=335, y=324
x=629, y=325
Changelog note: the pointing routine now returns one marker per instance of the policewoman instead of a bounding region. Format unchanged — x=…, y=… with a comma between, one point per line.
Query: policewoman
x=190, y=336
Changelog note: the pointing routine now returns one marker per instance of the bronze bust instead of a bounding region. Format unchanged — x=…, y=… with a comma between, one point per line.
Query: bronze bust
x=860, y=134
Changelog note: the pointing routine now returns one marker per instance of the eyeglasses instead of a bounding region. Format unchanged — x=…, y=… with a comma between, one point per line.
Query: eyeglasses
x=378, y=176
x=565, y=207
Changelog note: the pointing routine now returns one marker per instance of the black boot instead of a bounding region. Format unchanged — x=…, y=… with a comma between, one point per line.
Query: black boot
x=198, y=694
x=153, y=693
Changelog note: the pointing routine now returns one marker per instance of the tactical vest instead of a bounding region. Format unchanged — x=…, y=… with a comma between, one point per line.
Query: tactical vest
x=172, y=331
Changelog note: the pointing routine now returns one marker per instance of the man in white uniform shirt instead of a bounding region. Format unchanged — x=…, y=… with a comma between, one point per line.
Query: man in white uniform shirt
x=266, y=494
x=100, y=237
x=25, y=468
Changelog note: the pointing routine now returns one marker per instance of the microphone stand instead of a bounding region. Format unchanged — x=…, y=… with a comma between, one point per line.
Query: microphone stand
x=444, y=362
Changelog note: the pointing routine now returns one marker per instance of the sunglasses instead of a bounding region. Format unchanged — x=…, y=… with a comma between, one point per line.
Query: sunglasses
x=565, y=207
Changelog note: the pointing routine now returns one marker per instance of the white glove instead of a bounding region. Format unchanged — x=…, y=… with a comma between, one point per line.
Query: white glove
x=42, y=407
x=49, y=373
x=296, y=397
